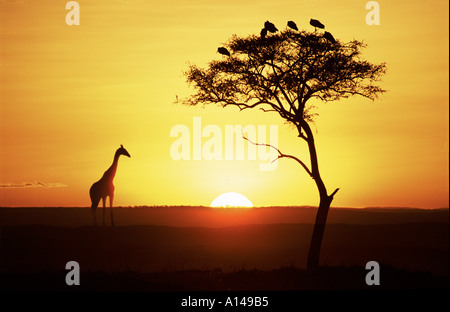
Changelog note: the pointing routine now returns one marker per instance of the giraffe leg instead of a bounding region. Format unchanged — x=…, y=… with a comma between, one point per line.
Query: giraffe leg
x=94, y=203
x=104, y=200
x=94, y=215
x=111, y=198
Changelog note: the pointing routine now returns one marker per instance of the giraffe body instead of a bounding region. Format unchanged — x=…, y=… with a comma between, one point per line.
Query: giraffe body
x=104, y=187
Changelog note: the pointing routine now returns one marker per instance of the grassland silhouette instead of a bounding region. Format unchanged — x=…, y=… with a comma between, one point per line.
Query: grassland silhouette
x=209, y=249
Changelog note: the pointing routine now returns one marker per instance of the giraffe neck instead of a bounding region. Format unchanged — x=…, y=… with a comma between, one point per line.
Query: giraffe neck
x=111, y=172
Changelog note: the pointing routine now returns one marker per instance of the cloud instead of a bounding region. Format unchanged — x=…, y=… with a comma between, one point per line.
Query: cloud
x=31, y=184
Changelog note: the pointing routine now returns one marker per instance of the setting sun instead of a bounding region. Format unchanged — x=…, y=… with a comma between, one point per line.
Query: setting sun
x=231, y=199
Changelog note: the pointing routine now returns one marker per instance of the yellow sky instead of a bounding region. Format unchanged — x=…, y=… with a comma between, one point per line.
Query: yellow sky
x=70, y=95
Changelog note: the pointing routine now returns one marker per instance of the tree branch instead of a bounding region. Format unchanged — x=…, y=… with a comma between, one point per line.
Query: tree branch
x=280, y=154
x=335, y=191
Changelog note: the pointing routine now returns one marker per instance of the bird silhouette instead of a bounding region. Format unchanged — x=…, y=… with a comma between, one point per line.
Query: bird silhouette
x=292, y=25
x=316, y=23
x=270, y=27
x=223, y=51
x=329, y=37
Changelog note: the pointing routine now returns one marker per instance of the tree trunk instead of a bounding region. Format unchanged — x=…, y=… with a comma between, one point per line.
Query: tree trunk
x=324, y=205
x=318, y=231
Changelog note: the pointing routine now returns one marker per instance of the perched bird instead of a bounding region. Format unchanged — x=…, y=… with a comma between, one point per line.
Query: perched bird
x=263, y=33
x=329, y=37
x=292, y=25
x=223, y=51
x=316, y=23
x=270, y=27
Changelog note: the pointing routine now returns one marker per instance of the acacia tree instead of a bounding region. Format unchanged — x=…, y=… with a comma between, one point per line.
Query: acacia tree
x=281, y=73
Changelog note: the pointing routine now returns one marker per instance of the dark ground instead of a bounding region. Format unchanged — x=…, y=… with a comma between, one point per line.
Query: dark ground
x=282, y=279
x=413, y=254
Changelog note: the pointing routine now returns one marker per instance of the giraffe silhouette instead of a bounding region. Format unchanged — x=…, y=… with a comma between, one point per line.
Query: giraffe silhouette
x=105, y=187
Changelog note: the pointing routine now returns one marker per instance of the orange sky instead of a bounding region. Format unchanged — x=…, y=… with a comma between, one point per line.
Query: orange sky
x=70, y=95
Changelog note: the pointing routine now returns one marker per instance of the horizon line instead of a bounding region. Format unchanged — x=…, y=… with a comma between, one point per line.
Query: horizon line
x=209, y=207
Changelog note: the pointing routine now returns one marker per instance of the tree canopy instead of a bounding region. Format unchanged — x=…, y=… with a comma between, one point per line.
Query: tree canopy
x=282, y=71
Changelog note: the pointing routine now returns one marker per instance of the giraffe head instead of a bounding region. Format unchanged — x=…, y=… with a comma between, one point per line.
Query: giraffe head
x=122, y=151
